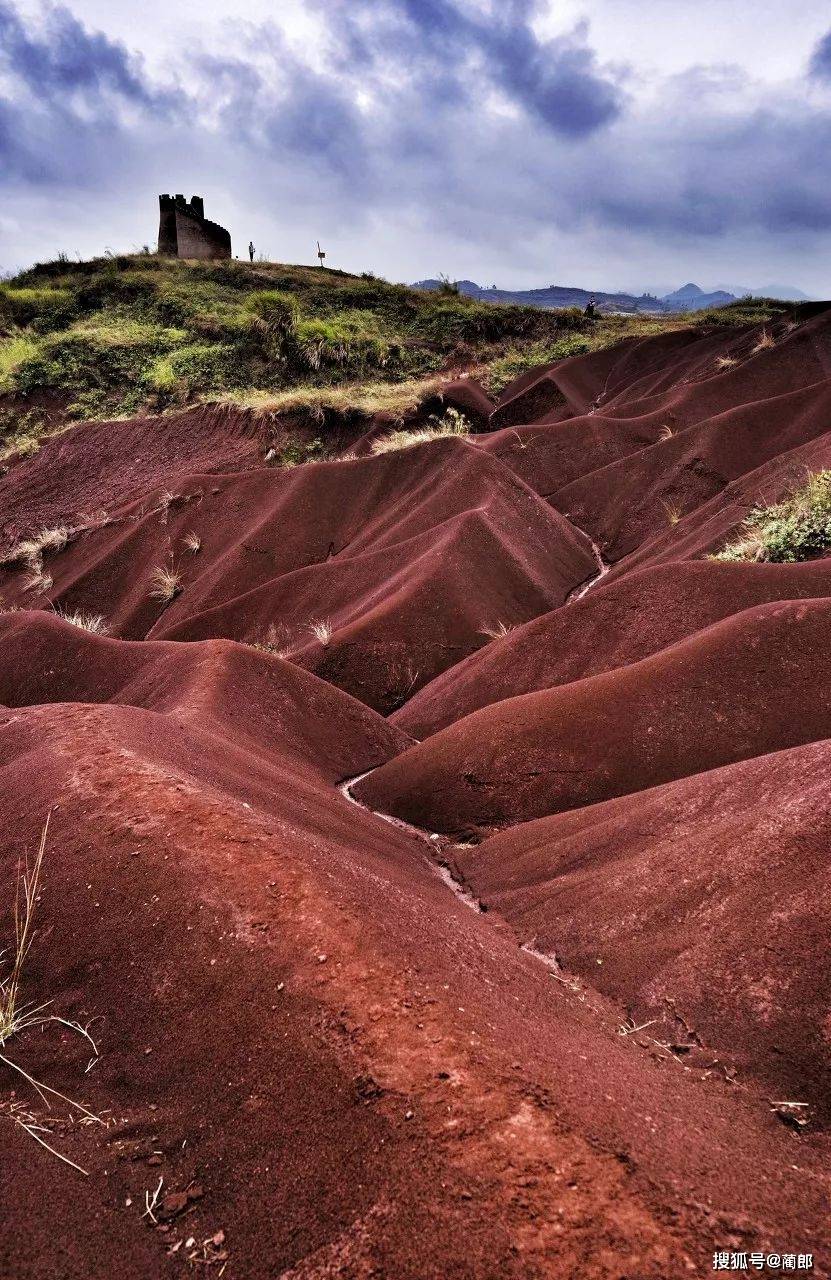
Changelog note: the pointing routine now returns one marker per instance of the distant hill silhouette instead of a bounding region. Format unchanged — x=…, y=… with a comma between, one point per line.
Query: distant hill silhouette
x=690, y=297
x=552, y=297
x=784, y=292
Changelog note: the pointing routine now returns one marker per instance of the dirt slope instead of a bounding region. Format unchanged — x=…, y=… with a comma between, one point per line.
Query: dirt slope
x=742, y=687
x=310, y=1039
x=655, y=886
x=611, y=626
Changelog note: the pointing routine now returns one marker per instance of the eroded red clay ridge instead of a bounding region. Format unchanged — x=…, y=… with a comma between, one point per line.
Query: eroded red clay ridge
x=332, y=1064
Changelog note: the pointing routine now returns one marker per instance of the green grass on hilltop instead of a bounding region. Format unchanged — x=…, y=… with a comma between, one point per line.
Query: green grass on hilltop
x=121, y=335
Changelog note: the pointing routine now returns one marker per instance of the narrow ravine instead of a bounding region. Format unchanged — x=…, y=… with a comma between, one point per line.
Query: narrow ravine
x=603, y=569
x=431, y=839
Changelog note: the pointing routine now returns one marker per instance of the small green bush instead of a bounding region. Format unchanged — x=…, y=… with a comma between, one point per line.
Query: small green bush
x=14, y=352
x=111, y=288
x=197, y=367
x=44, y=309
x=297, y=452
x=276, y=309
x=798, y=528
x=742, y=312
x=349, y=341
x=518, y=360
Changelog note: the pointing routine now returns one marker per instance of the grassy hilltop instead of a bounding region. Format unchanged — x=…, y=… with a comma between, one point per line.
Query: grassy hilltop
x=126, y=335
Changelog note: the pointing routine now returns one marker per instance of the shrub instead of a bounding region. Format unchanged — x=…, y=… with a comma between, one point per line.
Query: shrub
x=518, y=360
x=195, y=367
x=742, y=312
x=14, y=352
x=111, y=287
x=349, y=340
x=798, y=528
x=44, y=309
x=296, y=453
x=279, y=311
x=453, y=423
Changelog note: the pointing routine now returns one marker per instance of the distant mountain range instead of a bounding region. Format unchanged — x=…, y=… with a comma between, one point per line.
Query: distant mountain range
x=688, y=298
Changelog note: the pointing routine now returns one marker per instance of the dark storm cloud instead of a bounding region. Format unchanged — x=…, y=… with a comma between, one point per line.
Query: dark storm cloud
x=59, y=116
x=456, y=49
x=66, y=57
x=820, y=65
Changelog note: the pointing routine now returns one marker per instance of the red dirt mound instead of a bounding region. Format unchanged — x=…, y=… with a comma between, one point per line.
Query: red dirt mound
x=468, y=397
x=405, y=560
x=647, y=898
x=710, y=527
x=741, y=688
x=101, y=465
x=308, y=1045
x=312, y=1055
x=548, y=456
x=611, y=626
x=245, y=697
x=635, y=498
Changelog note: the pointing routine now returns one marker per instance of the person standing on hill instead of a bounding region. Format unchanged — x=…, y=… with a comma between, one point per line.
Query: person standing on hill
x=251, y=250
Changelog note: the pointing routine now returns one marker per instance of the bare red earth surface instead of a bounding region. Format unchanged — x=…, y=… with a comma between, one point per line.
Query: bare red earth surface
x=547, y=1023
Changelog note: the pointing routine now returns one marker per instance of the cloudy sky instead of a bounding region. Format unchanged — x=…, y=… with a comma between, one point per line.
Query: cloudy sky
x=607, y=143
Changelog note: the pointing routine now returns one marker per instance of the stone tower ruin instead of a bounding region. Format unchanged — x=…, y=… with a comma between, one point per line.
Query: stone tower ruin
x=185, y=232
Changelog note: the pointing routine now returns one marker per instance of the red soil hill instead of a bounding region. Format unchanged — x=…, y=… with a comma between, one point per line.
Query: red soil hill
x=611, y=626
x=740, y=688
x=322, y=1057
x=704, y=906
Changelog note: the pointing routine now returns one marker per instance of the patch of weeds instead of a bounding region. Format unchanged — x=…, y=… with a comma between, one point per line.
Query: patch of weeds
x=453, y=423
x=796, y=529
x=516, y=361
x=296, y=453
x=92, y=622
x=277, y=641
x=14, y=351
x=17, y=1017
x=44, y=310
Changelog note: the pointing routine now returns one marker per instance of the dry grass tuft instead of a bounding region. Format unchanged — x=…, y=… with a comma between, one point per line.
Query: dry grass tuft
x=365, y=398
x=673, y=510
x=28, y=882
x=666, y=433
x=38, y=581
x=93, y=622
x=30, y=551
x=766, y=341
x=277, y=641
x=453, y=423
x=165, y=502
x=193, y=542
x=321, y=631
x=16, y=1017
x=167, y=584
x=496, y=630
x=726, y=362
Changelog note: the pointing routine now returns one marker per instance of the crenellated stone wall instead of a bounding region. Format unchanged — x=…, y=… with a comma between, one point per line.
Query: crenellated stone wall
x=185, y=232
